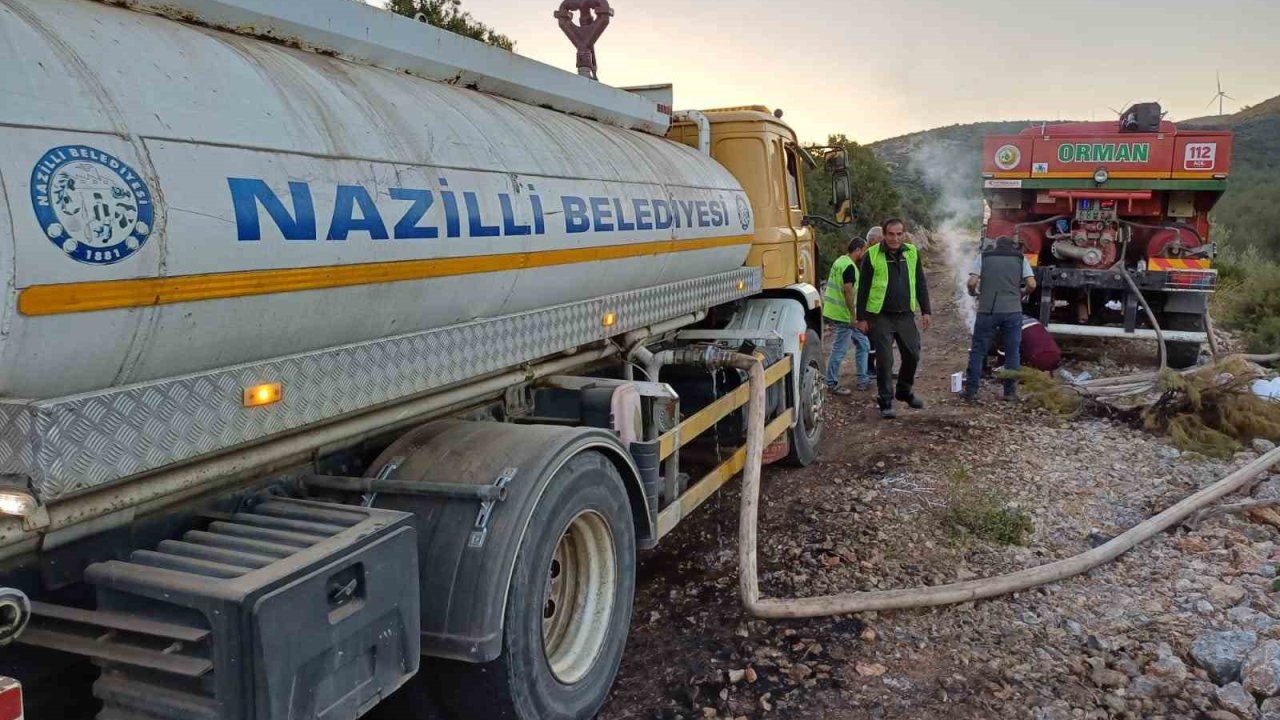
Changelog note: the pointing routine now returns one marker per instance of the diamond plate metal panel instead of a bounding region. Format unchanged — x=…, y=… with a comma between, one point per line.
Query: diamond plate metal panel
x=72, y=444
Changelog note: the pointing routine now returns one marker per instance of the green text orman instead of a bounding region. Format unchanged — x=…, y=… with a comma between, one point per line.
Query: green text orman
x=1104, y=152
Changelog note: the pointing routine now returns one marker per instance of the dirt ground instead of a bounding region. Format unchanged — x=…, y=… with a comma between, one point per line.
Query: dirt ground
x=688, y=627
x=868, y=515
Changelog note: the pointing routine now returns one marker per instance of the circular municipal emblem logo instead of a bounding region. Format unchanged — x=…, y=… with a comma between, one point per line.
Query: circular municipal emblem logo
x=91, y=205
x=1008, y=157
x=744, y=212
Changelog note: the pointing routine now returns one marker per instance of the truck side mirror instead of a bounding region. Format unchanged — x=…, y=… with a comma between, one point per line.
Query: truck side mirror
x=837, y=165
x=836, y=160
x=842, y=197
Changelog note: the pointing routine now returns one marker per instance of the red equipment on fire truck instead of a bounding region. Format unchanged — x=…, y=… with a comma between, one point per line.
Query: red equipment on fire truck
x=1109, y=213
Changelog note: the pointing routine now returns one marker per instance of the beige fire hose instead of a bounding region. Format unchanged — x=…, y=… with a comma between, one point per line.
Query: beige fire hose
x=1213, y=337
x=749, y=583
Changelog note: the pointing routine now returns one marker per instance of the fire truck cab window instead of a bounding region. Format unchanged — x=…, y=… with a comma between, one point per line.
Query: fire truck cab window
x=793, y=179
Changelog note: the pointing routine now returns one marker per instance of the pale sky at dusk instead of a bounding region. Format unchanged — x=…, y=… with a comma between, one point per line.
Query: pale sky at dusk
x=879, y=68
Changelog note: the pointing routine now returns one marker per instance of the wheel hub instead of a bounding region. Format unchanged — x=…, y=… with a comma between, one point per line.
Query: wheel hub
x=815, y=393
x=581, y=583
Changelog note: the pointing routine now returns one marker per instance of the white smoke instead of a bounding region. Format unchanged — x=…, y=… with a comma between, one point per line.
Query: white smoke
x=950, y=169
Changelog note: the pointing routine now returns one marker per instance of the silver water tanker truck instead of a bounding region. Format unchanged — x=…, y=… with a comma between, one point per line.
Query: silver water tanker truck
x=332, y=341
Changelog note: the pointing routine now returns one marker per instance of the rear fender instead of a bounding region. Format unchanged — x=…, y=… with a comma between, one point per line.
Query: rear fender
x=465, y=561
x=808, y=296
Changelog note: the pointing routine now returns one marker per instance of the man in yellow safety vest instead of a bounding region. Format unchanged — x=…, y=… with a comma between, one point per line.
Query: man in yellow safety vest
x=891, y=290
x=874, y=236
x=838, y=302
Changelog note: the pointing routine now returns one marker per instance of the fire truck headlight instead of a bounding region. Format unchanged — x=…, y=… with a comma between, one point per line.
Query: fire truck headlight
x=1101, y=175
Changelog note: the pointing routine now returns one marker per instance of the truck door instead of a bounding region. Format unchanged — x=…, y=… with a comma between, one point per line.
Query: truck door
x=793, y=178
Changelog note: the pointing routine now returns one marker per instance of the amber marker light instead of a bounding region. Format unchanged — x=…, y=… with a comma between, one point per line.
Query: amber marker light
x=742, y=284
x=610, y=319
x=264, y=394
x=17, y=502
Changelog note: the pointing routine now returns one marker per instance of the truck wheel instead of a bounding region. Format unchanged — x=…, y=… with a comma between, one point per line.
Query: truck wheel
x=1183, y=354
x=807, y=433
x=568, y=606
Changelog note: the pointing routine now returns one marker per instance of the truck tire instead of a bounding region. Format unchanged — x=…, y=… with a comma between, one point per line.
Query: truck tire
x=568, y=607
x=807, y=433
x=1183, y=354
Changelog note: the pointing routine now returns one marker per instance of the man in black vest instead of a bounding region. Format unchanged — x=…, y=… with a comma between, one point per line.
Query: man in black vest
x=891, y=290
x=996, y=280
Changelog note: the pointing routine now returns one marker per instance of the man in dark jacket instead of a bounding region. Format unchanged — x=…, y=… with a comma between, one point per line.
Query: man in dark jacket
x=891, y=290
x=997, y=280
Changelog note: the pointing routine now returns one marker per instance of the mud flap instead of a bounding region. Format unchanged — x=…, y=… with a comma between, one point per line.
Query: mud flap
x=467, y=549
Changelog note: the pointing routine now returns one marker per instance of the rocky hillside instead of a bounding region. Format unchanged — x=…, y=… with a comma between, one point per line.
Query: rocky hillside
x=1251, y=209
x=1267, y=110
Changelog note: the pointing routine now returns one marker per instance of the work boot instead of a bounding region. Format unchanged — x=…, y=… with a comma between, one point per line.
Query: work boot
x=912, y=401
x=840, y=390
x=886, y=411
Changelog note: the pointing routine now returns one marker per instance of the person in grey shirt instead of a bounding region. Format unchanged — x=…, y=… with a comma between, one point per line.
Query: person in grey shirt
x=997, y=279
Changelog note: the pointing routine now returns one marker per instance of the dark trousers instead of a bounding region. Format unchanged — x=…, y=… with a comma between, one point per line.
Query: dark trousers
x=885, y=328
x=985, y=327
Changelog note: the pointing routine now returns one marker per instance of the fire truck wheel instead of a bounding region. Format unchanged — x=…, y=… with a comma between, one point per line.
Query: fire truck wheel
x=807, y=433
x=1183, y=354
x=568, y=608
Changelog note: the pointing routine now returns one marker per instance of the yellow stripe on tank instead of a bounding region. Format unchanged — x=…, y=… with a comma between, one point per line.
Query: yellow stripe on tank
x=143, y=292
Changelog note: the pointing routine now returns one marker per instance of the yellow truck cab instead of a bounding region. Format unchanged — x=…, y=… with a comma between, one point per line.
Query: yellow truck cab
x=763, y=154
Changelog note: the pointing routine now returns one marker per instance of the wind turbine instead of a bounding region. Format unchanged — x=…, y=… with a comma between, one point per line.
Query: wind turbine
x=1219, y=96
x=1120, y=113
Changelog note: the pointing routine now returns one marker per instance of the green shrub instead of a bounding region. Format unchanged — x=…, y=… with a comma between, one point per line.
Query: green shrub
x=979, y=512
x=1250, y=304
x=1248, y=297
x=1265, y=338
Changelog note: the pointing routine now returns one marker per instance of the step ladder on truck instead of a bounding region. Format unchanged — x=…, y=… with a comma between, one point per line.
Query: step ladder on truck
x=350, y=362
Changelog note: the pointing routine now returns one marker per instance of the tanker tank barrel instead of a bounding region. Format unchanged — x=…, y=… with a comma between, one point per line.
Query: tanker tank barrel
x=288, y=230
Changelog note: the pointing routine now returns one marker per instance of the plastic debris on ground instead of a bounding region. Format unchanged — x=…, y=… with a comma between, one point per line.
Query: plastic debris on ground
x=1267, y=389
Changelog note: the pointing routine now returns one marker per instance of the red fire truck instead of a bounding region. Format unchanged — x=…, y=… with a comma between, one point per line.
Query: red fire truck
x=1109, y=214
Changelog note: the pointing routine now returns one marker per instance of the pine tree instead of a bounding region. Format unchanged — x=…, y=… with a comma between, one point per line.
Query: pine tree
x=449, y=15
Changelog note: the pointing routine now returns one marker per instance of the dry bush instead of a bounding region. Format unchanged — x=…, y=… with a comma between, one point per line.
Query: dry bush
x=1213, y=411
x=1045, y=391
